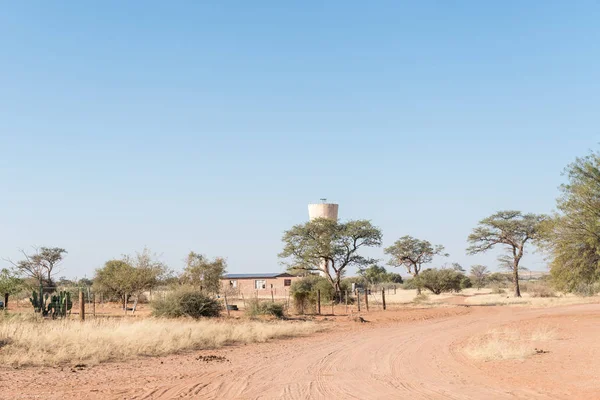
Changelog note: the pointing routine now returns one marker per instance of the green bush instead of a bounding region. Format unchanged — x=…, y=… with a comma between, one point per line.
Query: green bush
x=409, y=284
x=440, y=280
x=256, y=307
x=186, y=302
x=587, y=289
x=465, y=282
x=304, y=292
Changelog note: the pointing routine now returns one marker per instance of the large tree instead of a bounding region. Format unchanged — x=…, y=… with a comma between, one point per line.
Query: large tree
x=203, y=273
x=412, y=253
x=510, y=229
x=572, y=236
x=41, y=264
x=329, y=247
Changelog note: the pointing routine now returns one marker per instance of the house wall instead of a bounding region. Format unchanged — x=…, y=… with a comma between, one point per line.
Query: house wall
x=246, y=286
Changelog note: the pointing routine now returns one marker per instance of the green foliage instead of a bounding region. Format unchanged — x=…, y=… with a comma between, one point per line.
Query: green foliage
x=129, y=276
x=186, y=302
x=512, y=229
x=256, y=307
x=304, y=292
x=412, y=253
x=440, y=280
x=329, y=246
x=203, y=273
x=498, y=279
x=375, y=275
x=10, y=283
x=410, y=284
x=60, y=304
x=573, y=236
x=465, y=282
x=587, y=289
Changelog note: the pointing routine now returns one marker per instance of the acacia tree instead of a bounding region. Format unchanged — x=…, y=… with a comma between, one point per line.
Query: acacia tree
x=479, y=275
x=412, y=253
x=511, y=229
x=41, y=264
x=129, y=276
x=203, y=273
x=329, y=247
x=572, y=236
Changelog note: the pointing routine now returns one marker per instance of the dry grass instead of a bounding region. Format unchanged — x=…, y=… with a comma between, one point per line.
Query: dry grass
x=31, y=341
x=528, y=300
x=508, y=344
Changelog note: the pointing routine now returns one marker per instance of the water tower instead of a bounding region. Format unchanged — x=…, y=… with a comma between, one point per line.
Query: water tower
x=323, y=210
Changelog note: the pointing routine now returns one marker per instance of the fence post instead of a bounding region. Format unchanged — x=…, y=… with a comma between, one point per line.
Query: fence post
x=319, y=302
x=383, y=298
x=332, y=304
x=244, y=301
x=346, y=302
x=5, y=301
x=272, y=298
x=358, y=300
x=81, y=306
x=94, y=304
x=226, y=305
x=394, y=289
x=367, y=299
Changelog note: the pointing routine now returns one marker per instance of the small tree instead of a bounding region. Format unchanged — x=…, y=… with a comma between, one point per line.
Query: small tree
x=329, y=247
x=204, y=274
x=41, y=264
x=373, y=274
x=412, y=253
x=479, y=275
x=10, y=284
x=129, y=276
x=511, y=229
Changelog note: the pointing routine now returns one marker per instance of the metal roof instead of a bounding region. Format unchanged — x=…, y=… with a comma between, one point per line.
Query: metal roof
x=267, y=275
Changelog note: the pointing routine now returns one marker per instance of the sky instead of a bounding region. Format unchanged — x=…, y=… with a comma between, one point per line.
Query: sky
x=210, y=126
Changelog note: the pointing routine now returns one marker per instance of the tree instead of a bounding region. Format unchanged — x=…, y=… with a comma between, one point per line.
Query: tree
x=511, y=229
x=441, y=280
x=572, y=236
x=479, y=274
x=10, y=283
x=412, y=253
x=131, y=275
x=329, y=247
x=41, y=264
x=203, y=273
x=374, y=274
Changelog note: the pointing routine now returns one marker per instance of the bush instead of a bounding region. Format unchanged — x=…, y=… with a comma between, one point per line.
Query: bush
x=409, y=284
x=541, y=290
x=440, y=280
x=256, y=307
x=465, y=282
x=496, y=289
x=498, y=279
x=186, y=302
x=304, y=292
x=587, y=289
x=420, y=298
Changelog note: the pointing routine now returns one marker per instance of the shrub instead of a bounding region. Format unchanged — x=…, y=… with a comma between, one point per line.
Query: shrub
x=541, y=290
x=440, y=280
x=498, y=279
x=420, y=298
x=409, y=284
x=465, y=282
x=496, y=289
x=587, y=289
x=255, y=307
x=304, y=292
x=186, y=302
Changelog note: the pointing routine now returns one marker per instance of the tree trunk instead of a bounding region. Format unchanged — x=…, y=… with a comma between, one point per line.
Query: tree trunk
x=415, y=275
x=516, y=279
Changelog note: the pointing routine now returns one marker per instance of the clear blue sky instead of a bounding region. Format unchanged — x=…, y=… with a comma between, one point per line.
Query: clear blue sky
x=189, y=126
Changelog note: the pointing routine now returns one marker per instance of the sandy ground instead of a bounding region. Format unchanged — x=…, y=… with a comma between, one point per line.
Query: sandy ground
x=414, y=353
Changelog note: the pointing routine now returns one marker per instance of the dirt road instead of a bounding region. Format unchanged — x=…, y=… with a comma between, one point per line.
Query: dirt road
x=381, y=360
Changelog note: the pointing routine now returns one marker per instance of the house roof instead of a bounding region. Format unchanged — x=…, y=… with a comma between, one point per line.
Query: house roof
x=266, y=275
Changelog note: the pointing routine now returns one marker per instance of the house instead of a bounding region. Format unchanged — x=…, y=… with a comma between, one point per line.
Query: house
x=258, y=284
